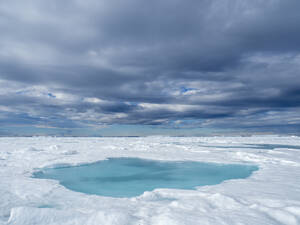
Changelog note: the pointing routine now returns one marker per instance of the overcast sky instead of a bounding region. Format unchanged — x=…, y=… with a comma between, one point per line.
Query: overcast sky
x=136, y=67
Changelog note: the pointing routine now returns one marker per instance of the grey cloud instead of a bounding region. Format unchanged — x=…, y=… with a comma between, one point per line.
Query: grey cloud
x=232, y=58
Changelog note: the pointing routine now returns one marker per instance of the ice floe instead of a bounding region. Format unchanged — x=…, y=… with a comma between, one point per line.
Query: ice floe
x=270, y=195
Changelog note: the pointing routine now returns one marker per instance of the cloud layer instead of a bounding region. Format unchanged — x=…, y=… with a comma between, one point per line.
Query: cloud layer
x=175, y=64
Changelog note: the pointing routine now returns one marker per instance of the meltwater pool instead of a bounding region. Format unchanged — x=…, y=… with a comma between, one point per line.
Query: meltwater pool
x=129, y=177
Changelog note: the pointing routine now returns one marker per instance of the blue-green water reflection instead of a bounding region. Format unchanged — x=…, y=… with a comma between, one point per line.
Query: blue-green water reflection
x=128, y=177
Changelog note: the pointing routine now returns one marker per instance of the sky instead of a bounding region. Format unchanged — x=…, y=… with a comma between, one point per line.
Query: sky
x=138, y=67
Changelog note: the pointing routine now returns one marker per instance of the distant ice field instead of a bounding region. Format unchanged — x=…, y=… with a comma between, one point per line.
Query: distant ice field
x=271, y=195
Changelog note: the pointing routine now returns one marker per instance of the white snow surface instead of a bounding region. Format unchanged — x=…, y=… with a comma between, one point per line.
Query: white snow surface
x=270, y=195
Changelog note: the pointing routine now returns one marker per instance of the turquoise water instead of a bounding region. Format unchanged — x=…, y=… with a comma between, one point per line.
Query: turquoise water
x=273, y=146
x=128, y=177
x=256, y=146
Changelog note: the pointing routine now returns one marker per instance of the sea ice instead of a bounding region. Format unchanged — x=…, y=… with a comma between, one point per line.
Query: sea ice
x=271, y=195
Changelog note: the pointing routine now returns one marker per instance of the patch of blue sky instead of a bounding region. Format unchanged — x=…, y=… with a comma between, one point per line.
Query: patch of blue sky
x=185, y=89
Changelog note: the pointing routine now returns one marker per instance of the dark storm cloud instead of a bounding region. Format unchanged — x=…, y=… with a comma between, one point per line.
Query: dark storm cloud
x=82, y=63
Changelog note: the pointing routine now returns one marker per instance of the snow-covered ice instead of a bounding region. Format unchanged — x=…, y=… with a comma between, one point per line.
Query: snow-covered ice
x=270, y=196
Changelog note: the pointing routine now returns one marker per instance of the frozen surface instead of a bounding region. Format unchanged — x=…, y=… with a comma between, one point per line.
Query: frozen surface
x=129, y=177
x=270, y=195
